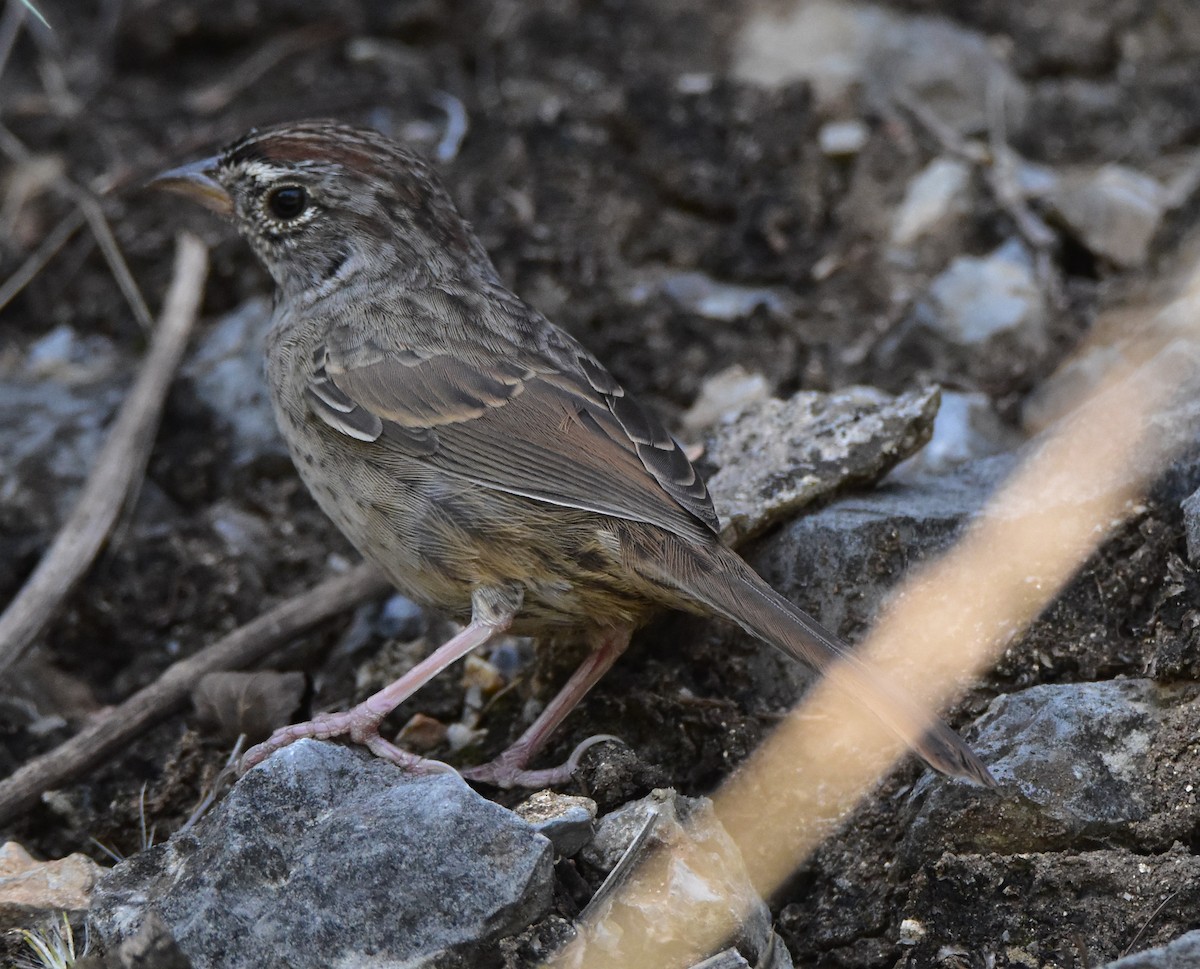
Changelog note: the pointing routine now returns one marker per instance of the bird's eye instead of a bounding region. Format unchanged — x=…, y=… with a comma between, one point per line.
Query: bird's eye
x=287, y=202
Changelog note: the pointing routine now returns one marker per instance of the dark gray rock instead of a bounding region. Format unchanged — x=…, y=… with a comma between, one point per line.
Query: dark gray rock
x=1191, y=524
x=566, y=819
x=323, y=857
x=1183, y=953
x=1076, y=765
x=864, y=543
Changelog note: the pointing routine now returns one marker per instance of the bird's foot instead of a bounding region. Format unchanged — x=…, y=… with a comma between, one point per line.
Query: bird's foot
x=510, y=768
x=359, y=724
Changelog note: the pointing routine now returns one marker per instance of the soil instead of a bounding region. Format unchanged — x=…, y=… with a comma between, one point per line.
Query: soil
x=586, y=164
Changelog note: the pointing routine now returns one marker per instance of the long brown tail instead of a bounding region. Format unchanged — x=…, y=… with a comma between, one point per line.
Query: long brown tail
x=718, y=578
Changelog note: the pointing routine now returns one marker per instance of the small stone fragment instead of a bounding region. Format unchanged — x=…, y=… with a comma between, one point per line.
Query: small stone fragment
x=723, y=396
x=911, y=932
x=32, y=890
x=567, y=820
x=979, y=301
x=841, y=139
x=779, y=456
x=422, y=734
x=1113, y=210
x=935, y=196
x=966, y=427
x=700, y=293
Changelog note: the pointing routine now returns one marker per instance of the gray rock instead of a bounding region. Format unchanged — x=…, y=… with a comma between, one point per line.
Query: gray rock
x=700, y=293
x=778, y=456
x=1113, y=210
x=842, y=46
x=1074, y=764
x=873, y=538
x=322, y=857
x=567, y=820
x=227, y=371
x=1191, y=525
x=50, y=432
x=1182, y=953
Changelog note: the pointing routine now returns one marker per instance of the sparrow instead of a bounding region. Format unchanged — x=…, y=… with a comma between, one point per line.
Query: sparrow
x=478, y=454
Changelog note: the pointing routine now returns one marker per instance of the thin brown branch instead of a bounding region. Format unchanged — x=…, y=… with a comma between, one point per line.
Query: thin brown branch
x=240, y=648
x=119, y=467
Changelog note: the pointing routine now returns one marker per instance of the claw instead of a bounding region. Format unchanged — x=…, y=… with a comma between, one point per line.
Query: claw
x=508, y=770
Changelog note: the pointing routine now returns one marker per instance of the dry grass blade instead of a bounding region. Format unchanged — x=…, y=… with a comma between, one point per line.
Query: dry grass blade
x=119, y=466
x=90, y=208
x=240, y=648
x=39, y=257
x=98, y=223
x=10, y=27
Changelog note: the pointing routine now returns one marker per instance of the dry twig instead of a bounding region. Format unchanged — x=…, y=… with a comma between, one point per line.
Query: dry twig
x=119, y=467
x=240, y=648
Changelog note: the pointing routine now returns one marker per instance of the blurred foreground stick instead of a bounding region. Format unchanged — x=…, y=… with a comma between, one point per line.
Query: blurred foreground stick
x=119, y=467
x=240, y=648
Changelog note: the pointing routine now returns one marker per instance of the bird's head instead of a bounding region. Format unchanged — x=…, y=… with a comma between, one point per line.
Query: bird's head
x=322, y=203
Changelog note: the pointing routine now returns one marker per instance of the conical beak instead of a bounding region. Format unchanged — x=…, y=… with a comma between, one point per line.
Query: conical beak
x=196, y=181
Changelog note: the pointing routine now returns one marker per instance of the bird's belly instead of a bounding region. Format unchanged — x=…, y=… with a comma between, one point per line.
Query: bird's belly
x=439, y=538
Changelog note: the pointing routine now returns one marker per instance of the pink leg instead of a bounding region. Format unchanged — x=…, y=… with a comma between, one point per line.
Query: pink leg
x=490, y=616
x=509, y=769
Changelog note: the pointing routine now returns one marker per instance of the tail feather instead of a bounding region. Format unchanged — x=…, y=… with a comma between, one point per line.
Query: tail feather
x=727, y=585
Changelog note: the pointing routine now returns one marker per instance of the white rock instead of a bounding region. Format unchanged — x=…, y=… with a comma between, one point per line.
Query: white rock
x=976, y=300
x=936, y=195
x=839, y=139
